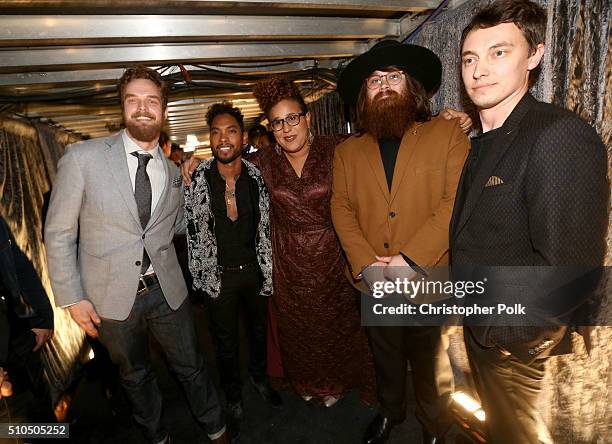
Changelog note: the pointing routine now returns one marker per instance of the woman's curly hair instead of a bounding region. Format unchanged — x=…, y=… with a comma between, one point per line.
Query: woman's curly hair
x=270, y=91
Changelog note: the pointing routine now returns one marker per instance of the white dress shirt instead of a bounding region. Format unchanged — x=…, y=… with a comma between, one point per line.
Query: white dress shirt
x=155, y=170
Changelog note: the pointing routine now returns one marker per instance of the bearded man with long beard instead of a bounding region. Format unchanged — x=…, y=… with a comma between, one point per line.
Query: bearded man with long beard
x=123, y=201
x=394, y=187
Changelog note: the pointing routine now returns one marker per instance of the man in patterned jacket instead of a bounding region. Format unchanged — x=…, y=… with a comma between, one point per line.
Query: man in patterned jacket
x=230, y=256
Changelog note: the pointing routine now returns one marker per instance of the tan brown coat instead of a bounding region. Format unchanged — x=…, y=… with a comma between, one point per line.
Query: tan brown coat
x=414, y=217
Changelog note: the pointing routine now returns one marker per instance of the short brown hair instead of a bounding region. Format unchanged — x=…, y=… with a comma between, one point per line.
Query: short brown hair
x=142, y=72
x=528, y=16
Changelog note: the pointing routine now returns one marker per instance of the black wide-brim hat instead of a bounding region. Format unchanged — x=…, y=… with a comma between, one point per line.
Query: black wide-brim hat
x=419, y=62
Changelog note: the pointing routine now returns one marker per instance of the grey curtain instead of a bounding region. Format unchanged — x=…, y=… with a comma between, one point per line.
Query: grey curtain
x=28, y=160
x=327, y=114
x=576, y=74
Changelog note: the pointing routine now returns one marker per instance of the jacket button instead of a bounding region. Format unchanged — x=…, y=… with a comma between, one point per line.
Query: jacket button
x=137, y=263
x=392, y=214
x=143, y=236
x=386, y=245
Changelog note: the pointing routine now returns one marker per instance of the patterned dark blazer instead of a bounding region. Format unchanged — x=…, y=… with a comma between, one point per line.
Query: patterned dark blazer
x=540, y=199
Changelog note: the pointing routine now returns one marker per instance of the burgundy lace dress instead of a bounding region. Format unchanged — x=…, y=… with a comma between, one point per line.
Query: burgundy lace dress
x=323, y=347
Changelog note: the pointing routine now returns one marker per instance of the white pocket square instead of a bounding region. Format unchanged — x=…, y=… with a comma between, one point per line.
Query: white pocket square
x=494, y=181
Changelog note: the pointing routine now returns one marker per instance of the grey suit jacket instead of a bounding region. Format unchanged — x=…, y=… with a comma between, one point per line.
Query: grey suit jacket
x=93, y=201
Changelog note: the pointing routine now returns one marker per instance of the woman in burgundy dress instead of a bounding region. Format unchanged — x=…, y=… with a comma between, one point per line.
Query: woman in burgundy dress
x=324, y=349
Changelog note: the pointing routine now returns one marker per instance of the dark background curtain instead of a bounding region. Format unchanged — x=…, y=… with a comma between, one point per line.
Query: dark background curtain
x=327, y=115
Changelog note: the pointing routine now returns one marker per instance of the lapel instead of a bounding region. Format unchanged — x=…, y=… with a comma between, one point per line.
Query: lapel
x=509, y=131
x=117, y=163
x=459, y=200
x=406, y=149
x=163, y=199
x=371, y=152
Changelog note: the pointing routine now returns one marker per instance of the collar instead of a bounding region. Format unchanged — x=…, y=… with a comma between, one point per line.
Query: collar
x=214, y=169
x=486, y=136
x=130, y=146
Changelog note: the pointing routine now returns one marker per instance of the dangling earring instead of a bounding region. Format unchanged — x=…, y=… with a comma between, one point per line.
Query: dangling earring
x=310, y=138
x=278, y=148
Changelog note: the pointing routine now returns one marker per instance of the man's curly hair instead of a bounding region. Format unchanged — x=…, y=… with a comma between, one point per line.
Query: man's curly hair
x=269, y=92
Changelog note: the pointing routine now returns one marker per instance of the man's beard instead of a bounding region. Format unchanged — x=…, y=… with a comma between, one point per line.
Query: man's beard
x=144, y=133
x=388, y=117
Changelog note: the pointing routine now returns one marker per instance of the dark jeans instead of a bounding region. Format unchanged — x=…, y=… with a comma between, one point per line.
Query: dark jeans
x=508, y=389
x=432, y=375
x=223, y=311
x=128, y=345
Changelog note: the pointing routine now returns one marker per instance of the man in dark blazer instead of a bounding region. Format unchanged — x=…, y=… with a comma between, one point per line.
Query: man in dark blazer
x=533, y=193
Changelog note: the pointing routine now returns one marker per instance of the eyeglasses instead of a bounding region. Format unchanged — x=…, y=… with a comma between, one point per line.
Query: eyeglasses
x=291, y=120
x=393, y=78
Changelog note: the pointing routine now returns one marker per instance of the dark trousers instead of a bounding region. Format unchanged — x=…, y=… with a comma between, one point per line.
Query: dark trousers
x=238, y=286
x=31, y=400
x=128, y=345
x=432, y=376
x=508, y=390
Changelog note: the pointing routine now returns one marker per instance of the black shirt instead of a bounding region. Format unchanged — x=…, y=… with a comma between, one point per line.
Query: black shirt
x=388, y=152
x=235, y=239
x=482, y=147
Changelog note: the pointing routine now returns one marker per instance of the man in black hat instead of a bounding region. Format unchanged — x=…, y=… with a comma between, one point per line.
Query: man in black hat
x=393, y=192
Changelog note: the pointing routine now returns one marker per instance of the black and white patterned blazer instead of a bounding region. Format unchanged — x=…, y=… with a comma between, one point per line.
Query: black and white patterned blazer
x=201, y=238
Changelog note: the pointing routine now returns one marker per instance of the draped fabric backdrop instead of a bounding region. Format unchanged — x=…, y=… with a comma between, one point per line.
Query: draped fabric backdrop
x=576, y=74
x=327, y=115
x=28, y=161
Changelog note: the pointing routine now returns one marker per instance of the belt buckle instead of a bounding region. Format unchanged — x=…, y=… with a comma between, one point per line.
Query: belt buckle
x=143, y=290
x=144, y=283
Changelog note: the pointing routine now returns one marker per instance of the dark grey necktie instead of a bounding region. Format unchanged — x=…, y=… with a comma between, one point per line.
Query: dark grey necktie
x=143, y=194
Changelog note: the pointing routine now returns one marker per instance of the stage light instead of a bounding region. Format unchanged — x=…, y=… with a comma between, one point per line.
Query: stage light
x=469, y=415
x=191, y=144
x=466, y=401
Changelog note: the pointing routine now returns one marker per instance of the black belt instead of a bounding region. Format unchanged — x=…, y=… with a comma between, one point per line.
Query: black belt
x=146, y=282
x=237, y=267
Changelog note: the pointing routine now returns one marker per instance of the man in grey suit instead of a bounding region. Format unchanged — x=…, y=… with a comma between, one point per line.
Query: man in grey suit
x=123, y=201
